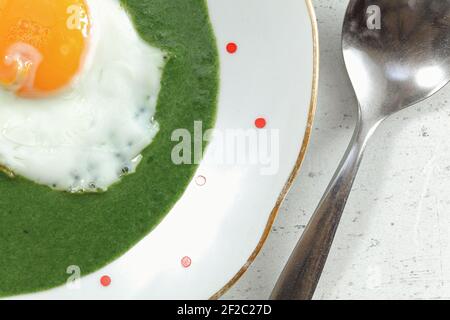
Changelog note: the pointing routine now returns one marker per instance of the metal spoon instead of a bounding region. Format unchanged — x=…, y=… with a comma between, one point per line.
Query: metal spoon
x=397, y=53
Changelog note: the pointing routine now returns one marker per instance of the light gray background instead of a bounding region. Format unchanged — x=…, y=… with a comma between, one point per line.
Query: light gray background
x=393, y=240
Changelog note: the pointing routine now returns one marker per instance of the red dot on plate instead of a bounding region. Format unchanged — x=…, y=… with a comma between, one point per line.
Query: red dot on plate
x=232, y=47
x=200, y=181
x=260, y=123
x=186, y=262
x=105, y=281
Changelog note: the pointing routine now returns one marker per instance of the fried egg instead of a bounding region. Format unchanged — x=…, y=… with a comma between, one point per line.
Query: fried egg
x=78, y=92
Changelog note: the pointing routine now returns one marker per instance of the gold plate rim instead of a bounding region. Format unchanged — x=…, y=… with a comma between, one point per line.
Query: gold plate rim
x=298, y=164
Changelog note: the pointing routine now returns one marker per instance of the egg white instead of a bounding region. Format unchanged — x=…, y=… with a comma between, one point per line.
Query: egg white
x=91, y=134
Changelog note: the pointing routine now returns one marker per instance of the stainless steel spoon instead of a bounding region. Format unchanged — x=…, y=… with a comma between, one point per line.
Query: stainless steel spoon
x=397, y=53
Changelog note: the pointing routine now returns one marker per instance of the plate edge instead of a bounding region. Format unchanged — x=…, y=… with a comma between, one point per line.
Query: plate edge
x=299, y=162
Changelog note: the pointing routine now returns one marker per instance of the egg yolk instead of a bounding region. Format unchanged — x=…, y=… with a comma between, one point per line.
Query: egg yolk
x=42, y=44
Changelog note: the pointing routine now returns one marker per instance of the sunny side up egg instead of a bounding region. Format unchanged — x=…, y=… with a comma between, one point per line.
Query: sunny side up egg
x=78, y=92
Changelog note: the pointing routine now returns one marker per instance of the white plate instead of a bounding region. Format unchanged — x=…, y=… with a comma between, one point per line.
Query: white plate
x=222, y=220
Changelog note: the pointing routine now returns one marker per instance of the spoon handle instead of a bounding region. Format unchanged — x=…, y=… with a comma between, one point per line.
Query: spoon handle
x=301, y=274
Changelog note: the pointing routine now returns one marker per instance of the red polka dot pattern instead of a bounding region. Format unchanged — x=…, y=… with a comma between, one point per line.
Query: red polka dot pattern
x=232, y=47
x=186, y=262
x=200, y=181
x=260, y=123
x=105, y=281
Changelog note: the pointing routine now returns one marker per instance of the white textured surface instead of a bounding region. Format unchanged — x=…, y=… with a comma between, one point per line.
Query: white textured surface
x=393, y=241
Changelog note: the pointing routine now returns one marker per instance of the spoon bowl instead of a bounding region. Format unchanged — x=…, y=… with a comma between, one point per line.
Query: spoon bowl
x=397, y=53
x=401, y=59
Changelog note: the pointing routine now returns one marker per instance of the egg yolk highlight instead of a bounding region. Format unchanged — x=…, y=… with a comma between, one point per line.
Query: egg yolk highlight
x=42, y=44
